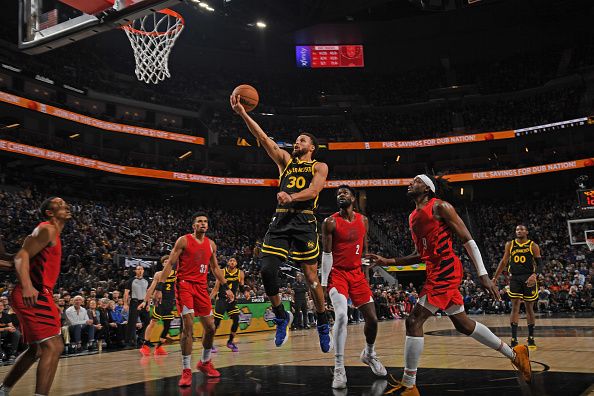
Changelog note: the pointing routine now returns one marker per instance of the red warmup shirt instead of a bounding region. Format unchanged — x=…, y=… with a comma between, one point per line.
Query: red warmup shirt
x=44, y=267
x=194, y=262
x=347, y=242
x=433, y=241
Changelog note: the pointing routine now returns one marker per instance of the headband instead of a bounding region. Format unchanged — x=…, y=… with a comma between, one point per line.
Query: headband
x=427, y=182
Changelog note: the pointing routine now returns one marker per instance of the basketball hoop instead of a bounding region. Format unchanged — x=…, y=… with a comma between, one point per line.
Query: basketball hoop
x=152, y=38
x=590, y=239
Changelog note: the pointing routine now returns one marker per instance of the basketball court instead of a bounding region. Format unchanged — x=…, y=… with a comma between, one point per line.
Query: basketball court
x=451, y=364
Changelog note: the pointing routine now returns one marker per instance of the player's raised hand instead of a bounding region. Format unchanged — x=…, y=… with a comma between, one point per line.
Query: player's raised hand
x=230, y=295
x=376, y=259
x=157, y=297
x=30, y=296
x=490, y=287
x=236, y=104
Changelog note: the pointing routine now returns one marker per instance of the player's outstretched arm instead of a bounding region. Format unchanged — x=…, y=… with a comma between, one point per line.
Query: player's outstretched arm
x=502, y=263
x=376, y=259
x=33, y=244
x=446, y=212
x=215, y=290
x=177, y=250
x=328, y=228
x=151, y=289
x=280, y=157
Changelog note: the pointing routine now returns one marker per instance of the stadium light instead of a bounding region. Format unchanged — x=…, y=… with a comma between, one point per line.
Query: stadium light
x=461, y=190
x=526, y=148
x=261, y=24
x=210, y=9
x=11, y=126
x=398, y=158
x=74, y=136
x=185, y=155
x=203, y=5
x=196, y=1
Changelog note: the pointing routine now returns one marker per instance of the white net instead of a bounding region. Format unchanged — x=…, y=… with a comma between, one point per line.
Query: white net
x=152, y=38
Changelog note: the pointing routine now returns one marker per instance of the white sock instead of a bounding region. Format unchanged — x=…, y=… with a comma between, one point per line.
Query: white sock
x=413, y=348
x=187, y=361
x=4, y=390
x=339, y=330
x=486, y=337
x=206, y=355
x=370, y=349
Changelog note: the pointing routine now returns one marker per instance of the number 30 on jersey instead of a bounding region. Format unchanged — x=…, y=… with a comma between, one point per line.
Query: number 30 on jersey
x=298, y=182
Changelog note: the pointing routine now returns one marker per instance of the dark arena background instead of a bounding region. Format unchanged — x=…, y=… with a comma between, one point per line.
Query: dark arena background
x=495, y=98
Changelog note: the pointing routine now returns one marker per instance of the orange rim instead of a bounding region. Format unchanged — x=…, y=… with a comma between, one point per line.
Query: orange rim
x=166, y=11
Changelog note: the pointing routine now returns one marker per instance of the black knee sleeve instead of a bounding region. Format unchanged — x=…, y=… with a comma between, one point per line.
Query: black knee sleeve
x=217, y=322
x=270, y=267
x=166, y=326
x=235, y=324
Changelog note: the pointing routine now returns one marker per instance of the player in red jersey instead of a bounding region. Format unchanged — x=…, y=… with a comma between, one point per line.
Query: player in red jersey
x=344, y=235
x=37, y=266
x=432, y=224
x=194, y=254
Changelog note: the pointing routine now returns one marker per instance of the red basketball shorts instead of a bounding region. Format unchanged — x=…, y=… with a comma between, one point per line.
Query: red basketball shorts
x=351, y=283
x=192, y=297
x=443, y=299
x=39, y=322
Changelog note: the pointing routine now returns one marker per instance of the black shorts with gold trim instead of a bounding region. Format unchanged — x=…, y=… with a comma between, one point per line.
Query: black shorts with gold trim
x=294, y=235
x=164, y=311
x=519, y=289
x=222, y=306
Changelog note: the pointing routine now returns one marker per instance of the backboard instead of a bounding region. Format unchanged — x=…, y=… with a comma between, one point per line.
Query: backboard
x=48, y=24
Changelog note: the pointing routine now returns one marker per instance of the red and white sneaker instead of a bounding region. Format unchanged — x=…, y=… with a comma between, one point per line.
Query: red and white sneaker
x=145, y=350
x=208, y=369
x=160, y=351
x=186, y=378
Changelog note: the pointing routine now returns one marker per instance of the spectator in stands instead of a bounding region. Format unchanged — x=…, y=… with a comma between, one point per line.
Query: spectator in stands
x=299, y=294
x=9, y=334
x=117, y=323
x=543, y=299
x=93, y=314
x=80, y=324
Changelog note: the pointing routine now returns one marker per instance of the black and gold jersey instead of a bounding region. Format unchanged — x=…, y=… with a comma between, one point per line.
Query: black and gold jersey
x=169, y=286
x=296, y=177
x=521, y=258
x=232, y=282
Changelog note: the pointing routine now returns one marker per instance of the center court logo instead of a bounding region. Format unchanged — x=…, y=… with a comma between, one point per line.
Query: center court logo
x=269, y=317
x=245, y=318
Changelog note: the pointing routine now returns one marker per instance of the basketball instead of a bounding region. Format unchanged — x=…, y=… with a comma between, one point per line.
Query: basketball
x=248, y=96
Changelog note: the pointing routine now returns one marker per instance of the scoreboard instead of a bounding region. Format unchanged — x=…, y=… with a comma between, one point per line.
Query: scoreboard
x=329, y=56
x=586, y=199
